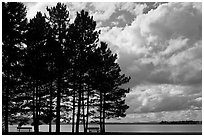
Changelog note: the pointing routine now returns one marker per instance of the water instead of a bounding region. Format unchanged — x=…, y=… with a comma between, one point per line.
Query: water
x=123, y=128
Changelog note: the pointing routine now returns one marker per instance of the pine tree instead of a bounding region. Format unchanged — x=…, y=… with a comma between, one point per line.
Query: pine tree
x=59, y=21
x=36, y=60
x=83, y=41
x=51, y=46
x=62, y=61
x=13, y=23
x=108, y=81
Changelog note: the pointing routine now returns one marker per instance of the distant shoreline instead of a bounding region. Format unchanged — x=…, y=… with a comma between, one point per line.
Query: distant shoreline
x=154, y=123
x=139, y=123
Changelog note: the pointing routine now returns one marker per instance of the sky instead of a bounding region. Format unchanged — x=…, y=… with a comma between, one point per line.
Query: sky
x=159, y=46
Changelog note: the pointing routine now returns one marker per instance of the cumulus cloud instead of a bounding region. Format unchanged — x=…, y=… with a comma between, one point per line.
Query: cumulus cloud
x=175, y=45
x=163, y=97
x=172, y=19
x=162, y=46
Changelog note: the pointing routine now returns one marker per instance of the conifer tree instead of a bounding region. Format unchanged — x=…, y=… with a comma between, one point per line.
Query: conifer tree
x=51, y=46
x=83, y=41
x=59, y=20
x=108, y=81
x=36, y=60
x=13, y=29
x=49, y=59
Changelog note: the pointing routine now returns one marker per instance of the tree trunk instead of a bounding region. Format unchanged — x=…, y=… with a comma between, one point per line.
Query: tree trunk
x=87, y=111
x=74, y=98
x=79, y=107
x=101, y=124
x=34, y=108
x=7, y=103
x=78, y=113
x=50, y=123
x=73, y=111
x=104, y=112
x=36, y=123
x=83, y=112
x=59, y=80
x=58, y=106
x=39, y=103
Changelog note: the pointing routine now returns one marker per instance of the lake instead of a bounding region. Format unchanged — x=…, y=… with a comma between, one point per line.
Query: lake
x=125, y=128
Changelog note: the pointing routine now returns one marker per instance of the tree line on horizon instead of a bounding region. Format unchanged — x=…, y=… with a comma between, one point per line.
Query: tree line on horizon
x=181, y=122
x=55, y=71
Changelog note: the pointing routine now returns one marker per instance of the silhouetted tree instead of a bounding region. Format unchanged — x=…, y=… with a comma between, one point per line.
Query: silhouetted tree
x=13, y=23
x=108, y=81
x=83, y=41
x=52, y=66
x=36, y=60
x=59, y=21
x=51, y=45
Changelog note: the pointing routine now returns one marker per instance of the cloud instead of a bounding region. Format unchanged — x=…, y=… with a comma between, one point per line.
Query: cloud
x=134, y=8
x=121, y=17
x=164, y=97
x=127, y=39
x=34, y=7
x=175, y=45
x=77, y=6
x=162, y=46
x=182, y=115
x=103, y=10
x=172, y=19
x=73, y=7
x=115, y=23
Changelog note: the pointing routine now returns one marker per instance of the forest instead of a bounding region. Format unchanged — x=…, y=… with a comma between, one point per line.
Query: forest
x=55, y=72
